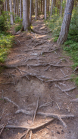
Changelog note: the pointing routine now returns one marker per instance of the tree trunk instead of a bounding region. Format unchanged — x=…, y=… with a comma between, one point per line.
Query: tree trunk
x=51, y=7
x=20, y=8
x=14, y=2
x=45, y=7
x=36, y=9
x=11, y=16
x=66, y=22
x=30, y=10
x=25, y=15
x=41, y=5
x=61, y=8
x=4, y=6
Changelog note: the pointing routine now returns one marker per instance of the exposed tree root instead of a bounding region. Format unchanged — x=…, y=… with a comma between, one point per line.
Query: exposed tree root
x=36, y=110
x=45, y=104
x=44, y=52
x=58, y=80
x=32, y=127
x=2, y=128
x=25, y=134
x=74, y=100
x=56, y=116
x=34, y=31
x=47, y=64
x=7, y=99
x=40, y=43
x=66, y=90
x=52, y=115
x=25, y=112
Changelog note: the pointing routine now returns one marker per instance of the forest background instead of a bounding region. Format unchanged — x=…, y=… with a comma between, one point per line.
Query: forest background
x=20, y=14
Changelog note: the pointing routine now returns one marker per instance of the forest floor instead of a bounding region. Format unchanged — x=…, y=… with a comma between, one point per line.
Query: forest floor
x=37, y=96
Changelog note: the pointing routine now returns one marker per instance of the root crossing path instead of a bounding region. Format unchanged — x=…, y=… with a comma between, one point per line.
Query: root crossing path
x=36, y=91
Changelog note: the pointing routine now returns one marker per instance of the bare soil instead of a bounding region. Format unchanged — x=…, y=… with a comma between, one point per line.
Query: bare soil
x=37, y=80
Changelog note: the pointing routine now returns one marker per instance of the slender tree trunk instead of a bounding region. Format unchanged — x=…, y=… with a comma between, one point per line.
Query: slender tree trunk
x=30, y=10
x=52, y=1
x=20, y=8
x=41, y=5
x=48, y=5
x=36, y=9
x=45, y=13
x=61, y=8
x=14, y=2
x=25, y=15
x=66, y=22
x=11, y=16
x=6, y=6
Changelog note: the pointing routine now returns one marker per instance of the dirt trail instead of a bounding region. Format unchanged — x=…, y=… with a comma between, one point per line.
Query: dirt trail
x=37, y=80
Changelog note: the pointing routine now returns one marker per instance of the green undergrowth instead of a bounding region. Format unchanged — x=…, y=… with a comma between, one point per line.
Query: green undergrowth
x=18, y=23
x=6, y=41
x=71, y=45
x=54, y=24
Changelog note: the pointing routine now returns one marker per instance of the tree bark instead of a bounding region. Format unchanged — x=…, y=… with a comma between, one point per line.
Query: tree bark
x=66, y=22
x=36, y=9
x=51, y=7
x=61, y=8
x=45, y=8
x=11, y=16
x=14, y=2
x=30, y=10
x=25, y=15
x=6, y=5
x=20, y=8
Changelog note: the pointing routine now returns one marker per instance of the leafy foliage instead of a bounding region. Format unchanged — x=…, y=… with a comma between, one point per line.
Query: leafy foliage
x=4, y=21
x=5, y=44
x=18, y=19
x=55, y=25
x=18, y=22
x=71, y=45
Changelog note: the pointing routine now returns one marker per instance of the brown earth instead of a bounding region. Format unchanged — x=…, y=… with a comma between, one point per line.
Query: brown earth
x=37, y=79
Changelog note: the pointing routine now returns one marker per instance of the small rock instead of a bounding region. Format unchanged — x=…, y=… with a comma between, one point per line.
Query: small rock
x=58, y=132
x=62, y=131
